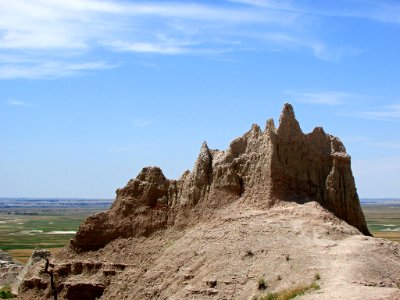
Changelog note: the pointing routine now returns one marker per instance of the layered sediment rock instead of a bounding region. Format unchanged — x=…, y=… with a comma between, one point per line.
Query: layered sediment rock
x=36, y=256
x=261, y=168
x=9, y=268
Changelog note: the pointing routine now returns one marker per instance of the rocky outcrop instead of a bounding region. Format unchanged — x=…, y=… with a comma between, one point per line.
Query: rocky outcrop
x=140, y=209
x=314, y=167
x=37, y=256
x=261, y=168
x=9, y=268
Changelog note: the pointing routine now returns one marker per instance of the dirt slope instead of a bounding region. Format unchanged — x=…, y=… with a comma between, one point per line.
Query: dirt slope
x=235, y=250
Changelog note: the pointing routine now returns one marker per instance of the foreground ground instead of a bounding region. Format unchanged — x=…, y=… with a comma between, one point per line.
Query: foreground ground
x=227, y=257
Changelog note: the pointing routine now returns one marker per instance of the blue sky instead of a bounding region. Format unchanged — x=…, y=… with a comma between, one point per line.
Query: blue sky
x=92, y=91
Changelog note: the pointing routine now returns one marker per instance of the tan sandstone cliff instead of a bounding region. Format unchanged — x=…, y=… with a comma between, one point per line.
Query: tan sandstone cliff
x=264, y=167
x=277, y=205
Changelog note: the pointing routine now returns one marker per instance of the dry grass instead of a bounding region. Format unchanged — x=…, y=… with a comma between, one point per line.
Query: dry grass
x=22, y=255
x=291, y=292
x=390, y=235
x=5, y=293
x=262, y=285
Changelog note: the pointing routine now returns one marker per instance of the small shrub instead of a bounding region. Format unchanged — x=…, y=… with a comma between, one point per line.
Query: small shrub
x=279, y=277
x=287, y=257
x=212, y=283
x=297, y=291
x=314, y=286
x=5, y=293
x=291, y=292
x=270, y=296
x=262, y=285
x=317, y=276
x=170, y=243
x=249, y=253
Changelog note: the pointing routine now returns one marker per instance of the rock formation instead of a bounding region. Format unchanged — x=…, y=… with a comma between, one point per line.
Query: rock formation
x=9, y=268
x=261, y=167
x=36, y=256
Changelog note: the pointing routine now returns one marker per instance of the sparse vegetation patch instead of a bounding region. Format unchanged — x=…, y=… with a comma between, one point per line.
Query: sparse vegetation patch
x=5, y=293
x=291, y=292
x=287, y=257
x=262, y=285
x=249, y=253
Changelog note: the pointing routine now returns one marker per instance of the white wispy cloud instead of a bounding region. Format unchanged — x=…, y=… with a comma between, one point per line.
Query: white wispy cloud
x=148, y=47
x=323, y=97
x=36, y=35
x=317, y=47
x=283, y=39
x=139, y=123
x=52, y=69
x=21, y=103
x=45, y=24
x=381, y=11
x=390, y=113
x=266, y=3
x=44, y=38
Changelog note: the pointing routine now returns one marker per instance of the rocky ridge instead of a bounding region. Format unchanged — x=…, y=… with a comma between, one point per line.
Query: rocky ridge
x=261, y=167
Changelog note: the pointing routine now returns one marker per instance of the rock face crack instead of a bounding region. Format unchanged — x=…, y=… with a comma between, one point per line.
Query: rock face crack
x=260, y=167
x=51, y=275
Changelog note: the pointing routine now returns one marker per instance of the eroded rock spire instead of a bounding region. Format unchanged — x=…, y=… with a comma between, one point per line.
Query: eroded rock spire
x=288, y=125
x=261, y=169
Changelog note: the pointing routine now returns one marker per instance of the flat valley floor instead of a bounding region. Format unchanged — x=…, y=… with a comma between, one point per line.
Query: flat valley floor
x=50, y=229
x=383, y=221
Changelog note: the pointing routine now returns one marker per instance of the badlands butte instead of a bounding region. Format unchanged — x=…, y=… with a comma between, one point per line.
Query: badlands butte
x=275, y=212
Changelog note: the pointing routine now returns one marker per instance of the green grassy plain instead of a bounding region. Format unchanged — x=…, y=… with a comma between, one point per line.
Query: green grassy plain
x=383, y=221
x=52, y=229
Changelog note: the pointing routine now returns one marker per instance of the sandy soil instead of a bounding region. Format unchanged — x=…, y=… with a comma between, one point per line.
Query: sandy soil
x=225, y=257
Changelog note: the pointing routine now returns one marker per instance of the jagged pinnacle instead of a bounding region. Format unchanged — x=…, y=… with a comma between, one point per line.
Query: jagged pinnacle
x=270, y=125
x=288, y=125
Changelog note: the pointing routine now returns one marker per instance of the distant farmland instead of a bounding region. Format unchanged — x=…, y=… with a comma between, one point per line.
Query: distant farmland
x=43, y=223
x=383, y=217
